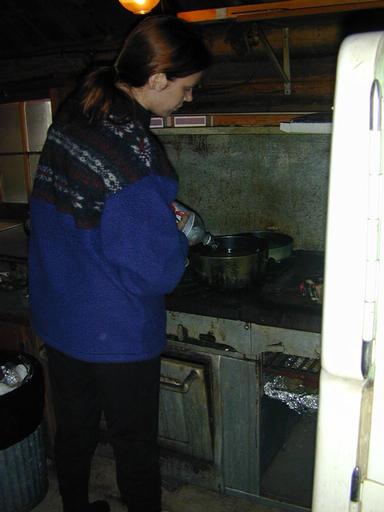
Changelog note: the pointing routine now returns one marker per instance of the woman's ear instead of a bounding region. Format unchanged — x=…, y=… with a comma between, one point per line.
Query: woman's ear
x=158, y=81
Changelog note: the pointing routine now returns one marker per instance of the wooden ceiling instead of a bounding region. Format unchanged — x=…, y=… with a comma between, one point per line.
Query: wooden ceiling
x=47, y=43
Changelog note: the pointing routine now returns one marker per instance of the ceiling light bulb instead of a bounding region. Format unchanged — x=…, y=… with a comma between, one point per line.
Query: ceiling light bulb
x=139, y=6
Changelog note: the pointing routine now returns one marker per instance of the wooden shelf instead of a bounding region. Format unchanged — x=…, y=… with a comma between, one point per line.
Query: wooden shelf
x=274, y=10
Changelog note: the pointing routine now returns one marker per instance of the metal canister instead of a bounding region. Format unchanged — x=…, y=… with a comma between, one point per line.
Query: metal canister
x=194, y=228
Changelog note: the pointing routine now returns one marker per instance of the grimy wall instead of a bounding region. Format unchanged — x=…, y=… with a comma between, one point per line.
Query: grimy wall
x=243, y=179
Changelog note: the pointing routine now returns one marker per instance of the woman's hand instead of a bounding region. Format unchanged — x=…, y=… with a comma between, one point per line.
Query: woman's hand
x=182, y=222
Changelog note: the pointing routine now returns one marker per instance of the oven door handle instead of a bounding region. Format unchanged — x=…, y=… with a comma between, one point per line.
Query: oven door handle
x=178, y=386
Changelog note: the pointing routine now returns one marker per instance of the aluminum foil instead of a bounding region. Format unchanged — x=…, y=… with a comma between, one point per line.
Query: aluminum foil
x=295, y=395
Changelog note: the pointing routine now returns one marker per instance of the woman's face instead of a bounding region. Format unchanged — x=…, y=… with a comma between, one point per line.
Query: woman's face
x=164, y=96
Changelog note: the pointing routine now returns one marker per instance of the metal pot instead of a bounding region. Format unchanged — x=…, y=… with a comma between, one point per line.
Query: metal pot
x=234, y=261
x=279, y=245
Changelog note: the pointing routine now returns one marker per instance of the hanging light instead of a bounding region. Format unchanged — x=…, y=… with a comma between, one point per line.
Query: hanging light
x=139, y=6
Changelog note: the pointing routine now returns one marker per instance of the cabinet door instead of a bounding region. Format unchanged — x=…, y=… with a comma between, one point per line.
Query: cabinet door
x=184, y=424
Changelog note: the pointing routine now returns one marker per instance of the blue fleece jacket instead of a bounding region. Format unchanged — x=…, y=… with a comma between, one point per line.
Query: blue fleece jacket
x=104, y=246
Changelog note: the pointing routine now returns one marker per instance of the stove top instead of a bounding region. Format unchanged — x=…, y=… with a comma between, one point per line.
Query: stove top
x=283, y=299
x=13, y=276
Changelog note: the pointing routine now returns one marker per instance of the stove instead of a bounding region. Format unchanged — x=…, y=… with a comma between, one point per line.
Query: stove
x=223, y=347
x=282, y=299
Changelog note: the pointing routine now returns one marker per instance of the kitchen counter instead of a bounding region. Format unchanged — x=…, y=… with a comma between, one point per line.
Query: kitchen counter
x=277, y=301
x=13, y=242
x=13, y=253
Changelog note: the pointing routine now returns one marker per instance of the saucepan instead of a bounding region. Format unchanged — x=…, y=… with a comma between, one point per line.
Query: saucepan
x=279, y=245
x=232, y=262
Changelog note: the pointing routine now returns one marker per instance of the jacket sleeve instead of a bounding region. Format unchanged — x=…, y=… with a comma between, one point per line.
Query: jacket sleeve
x=140, y=238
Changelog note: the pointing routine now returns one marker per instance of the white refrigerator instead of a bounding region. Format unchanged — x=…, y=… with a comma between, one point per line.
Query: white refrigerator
x=349, y=466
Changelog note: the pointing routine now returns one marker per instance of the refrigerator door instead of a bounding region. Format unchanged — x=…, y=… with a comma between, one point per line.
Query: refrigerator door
x=349, y=468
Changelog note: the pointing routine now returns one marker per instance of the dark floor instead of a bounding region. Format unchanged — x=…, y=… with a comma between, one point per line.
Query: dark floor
x=184, y=499
x=288, y=479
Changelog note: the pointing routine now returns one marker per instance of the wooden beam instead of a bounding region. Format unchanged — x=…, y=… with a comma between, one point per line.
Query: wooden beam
x=282, y=9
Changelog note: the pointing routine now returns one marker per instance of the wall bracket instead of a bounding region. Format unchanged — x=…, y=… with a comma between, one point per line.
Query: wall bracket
x=285, y=69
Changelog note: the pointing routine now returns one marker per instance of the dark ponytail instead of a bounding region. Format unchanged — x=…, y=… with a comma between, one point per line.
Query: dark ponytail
x=96, y=93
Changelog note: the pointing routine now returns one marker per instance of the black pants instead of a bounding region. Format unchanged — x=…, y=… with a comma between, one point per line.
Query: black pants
x=128, y=393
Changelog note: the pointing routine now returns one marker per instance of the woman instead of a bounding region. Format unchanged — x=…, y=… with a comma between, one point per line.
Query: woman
x=104, y=250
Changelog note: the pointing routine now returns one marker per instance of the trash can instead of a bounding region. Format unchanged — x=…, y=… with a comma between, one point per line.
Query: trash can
x=23, y=469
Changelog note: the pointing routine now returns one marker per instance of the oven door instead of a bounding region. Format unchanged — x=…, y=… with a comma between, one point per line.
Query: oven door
x=184, y=418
